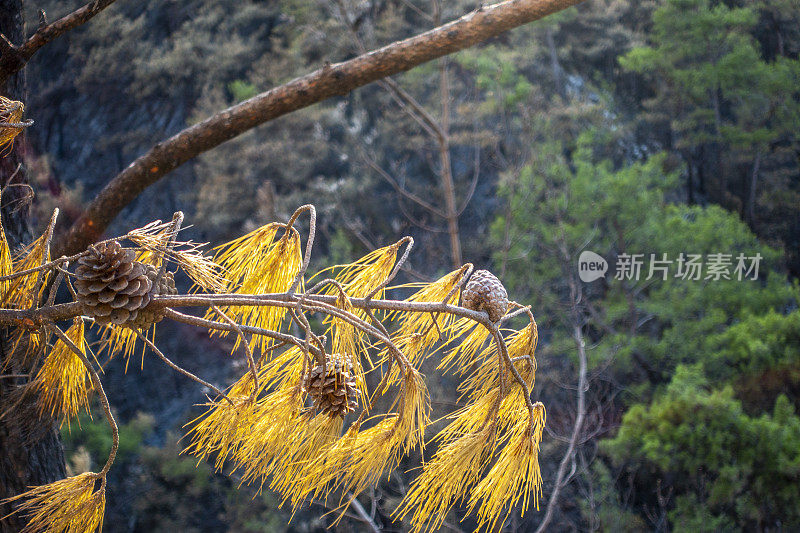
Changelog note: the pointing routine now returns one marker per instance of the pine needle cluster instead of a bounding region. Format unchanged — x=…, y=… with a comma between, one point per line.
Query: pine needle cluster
x=11, y=123
x=62, y=385
x=266, y=426
x=72, y=505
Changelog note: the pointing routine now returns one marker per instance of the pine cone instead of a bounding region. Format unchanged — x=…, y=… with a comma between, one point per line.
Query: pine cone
x=112, y=287
x=332, y=387
x=484, y=292
x=150, y=315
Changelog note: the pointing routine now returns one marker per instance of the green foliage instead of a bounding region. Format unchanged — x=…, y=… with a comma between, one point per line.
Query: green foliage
x=497, y=75
x=242, y=90
x=95, y=437
x=723, y=464
x=703, y=50
x=756, y=344
x=688, y=312
x=667, y=339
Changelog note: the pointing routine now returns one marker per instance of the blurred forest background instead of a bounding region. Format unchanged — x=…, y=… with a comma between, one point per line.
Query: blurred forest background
x=619, y=126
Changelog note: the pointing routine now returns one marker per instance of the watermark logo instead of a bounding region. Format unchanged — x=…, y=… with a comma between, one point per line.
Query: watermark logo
x=696, y=267
x=591, y=266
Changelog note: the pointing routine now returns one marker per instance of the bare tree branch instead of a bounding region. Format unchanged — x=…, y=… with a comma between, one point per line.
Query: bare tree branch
x=562, y=478
x=330, y=80
x=397, y=187
x=364, y=516
x=14, y=58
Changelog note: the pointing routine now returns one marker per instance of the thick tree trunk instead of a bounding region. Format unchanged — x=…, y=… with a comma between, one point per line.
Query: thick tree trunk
x=26, y=457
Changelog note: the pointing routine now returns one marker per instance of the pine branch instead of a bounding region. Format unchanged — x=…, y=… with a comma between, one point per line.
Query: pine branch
x=331, y=80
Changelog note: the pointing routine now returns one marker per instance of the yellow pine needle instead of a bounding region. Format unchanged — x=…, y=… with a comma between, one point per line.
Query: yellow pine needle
x=521, y=345
x=447, y=478
x=414, y=408
x=223, y=428
x=523, y=342
x=460, y=358
x=11, y=112
x=364, y=456
x=412, y=345
x=116, y=340
x=351, y=463
x=322, y=473
x=416, y=322
x=154, y=239
x=349, y=341
x=70, y=505
x=6, y=265
x=280, y=369
x=24, y=344
x=19, y=293
x=515, y=475
x=470, y=419
x=363, y=276
x=157, y=235
x=358, y=279
x=358, y=459
x=62, y=383
x=476, y=416
x=257, y=263
x=345, y=339
x=309, y=439
x=264, y=443
x=418, y=334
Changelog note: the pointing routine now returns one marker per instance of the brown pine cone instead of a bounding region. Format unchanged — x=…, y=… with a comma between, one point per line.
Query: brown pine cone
x=484, y=292
x=332, y=387
x=150, y=315
x=112, y=287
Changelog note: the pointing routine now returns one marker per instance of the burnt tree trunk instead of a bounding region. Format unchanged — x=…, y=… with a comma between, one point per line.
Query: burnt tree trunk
x=27, y=457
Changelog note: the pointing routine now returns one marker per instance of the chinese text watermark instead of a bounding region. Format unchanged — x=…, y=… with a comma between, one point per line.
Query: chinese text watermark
x=711, y=267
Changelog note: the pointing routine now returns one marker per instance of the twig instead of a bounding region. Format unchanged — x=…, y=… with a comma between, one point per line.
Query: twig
x=503, y=349
x=410, y=244
x=177, y=220
x=396, y=186
x=179, y=369
x=312, y=229
x=577, y=428
x=210, y=324
x=473, y=184
x=250, y=362
x=362, y=513
x=362, y=325
x=465, y=272
x=301, y=319
x=69, y=283
x=24, y=124
x=98, y=387
x=51, y=298
x=48, y=237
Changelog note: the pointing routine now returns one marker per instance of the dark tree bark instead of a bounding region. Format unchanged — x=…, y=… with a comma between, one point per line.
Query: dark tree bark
x=26, y=457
